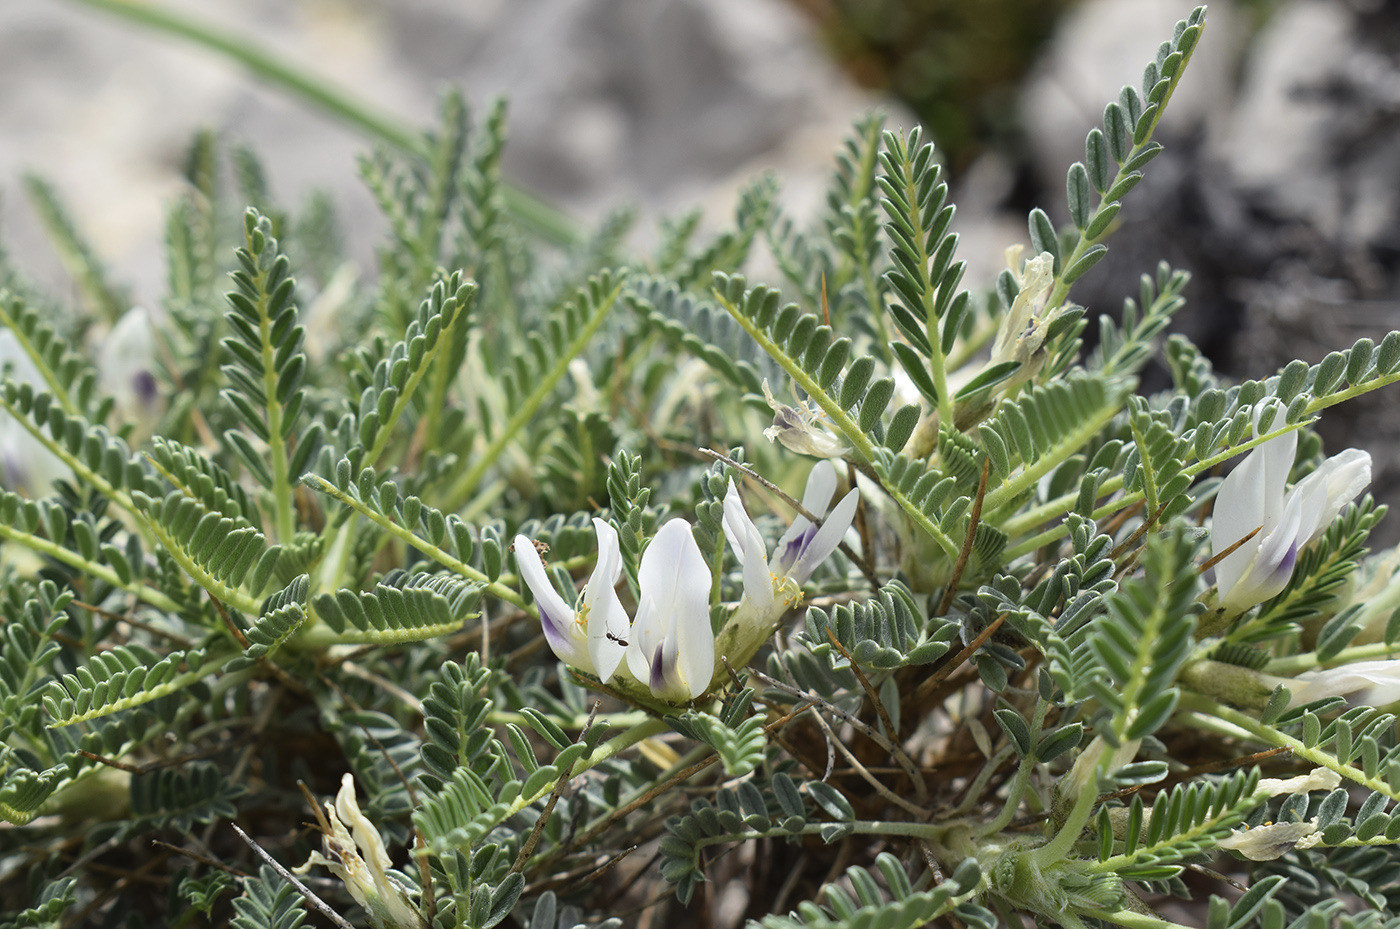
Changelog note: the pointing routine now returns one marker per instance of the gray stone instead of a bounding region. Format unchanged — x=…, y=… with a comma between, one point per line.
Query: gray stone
x=612, y=101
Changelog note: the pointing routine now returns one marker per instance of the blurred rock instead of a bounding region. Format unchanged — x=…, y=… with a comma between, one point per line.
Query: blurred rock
x=1314, y=153
x=1102, y=45
x=661, y=104
x=1277, y=192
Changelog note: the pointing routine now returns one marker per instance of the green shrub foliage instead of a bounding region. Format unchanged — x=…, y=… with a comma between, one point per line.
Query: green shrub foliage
x=1029, y=686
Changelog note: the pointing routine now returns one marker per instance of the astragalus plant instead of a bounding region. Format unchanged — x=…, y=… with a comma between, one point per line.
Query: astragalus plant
x=516, y=585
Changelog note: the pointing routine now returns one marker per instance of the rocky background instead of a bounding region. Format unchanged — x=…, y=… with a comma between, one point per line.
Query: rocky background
x=1280, y=188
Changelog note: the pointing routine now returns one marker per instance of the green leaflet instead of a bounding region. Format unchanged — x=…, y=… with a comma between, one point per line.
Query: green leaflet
x=268, y=367
x=122, y=678
x=402, y=608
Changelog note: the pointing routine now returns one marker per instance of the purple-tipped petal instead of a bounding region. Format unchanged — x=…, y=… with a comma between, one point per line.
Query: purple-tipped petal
x=659, y=680
x=791, y=543
x=145, y=388
x=828, y=537
x=556, y=617
x=1270, y=567
x=675, y=612
x=821, y=485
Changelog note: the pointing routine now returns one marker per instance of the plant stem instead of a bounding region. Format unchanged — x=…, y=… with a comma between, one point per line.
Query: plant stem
x=43, y=546
x=284, y=511
x=462, y=490
x=497, y=590
x=1017, y=791
x=1268, y=735
x=1135, y=920
x=56, y=387
x=1295, y=664
x=1069, y=445
x=1065, y=502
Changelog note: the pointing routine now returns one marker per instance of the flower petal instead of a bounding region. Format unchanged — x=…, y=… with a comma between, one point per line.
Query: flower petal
x=821, y=485
x=1336, y=482
x=1267, y=842
x=367, y=837
x=1250, y=497
x=644, y=638
x=1311, y=503
x=675, y=584
x=749, y=548
x=662, y=674
x=828, y=537
x=1363, y=683
x=607, y=620
x=1271, y=564
x=796, y=428
x=556, y=617
x=1277, y=454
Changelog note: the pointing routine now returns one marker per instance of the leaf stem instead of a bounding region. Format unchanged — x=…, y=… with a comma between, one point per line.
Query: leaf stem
x=150, y=595
x=496, y=589
x=284, y=512
x=1134, y=920
x=1017, y=791
x=1268, y=735
x=462, y=298
x=56, y=387
x=1063, y=503
x=1061, y=289
x=927, y=286
x=462, y=490
x=1069, y=445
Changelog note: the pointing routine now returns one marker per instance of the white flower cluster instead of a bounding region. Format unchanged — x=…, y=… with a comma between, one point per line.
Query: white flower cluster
x=669, y=646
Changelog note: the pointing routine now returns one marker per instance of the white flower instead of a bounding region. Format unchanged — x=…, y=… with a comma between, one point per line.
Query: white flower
x=1022, y=330
x=671, y=647
x=1252, y=497
x=1273, y=840
x=796, y=428
x=357, y=856
x=126, y=365
x=1363, y=683
x=804, y=546
x=591, y=638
